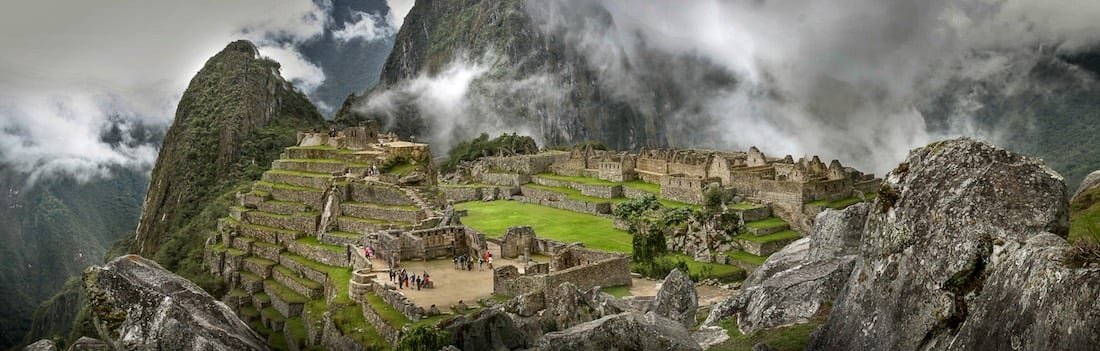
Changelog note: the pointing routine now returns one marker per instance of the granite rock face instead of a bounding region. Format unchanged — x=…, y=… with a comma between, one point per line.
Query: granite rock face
x=488, y=329
x=624, y=331
x=677, y=300
x=41, y=345
x=958, y=254
x=796, y=283
x=138, y=305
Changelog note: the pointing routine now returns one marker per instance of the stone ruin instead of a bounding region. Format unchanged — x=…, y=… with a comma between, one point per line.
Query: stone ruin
x=572, y=263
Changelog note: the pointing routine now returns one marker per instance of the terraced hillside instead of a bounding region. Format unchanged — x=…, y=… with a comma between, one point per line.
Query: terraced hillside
x=290, y=249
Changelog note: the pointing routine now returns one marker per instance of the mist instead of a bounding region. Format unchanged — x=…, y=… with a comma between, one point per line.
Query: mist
x=845, y=79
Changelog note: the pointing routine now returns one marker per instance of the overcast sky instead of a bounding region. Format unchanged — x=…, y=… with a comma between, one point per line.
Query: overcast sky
x=68, y=67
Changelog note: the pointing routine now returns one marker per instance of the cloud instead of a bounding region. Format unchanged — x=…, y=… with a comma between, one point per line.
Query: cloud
x=461, y=100
x=843, y=78
x=122, y=65
x=398, y=10
x=367, y=27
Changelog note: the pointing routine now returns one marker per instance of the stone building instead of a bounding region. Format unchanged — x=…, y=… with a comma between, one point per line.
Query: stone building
x=571, y=263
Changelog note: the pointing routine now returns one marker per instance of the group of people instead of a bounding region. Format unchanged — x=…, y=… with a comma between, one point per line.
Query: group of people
x=465, y=262
x=405, y=280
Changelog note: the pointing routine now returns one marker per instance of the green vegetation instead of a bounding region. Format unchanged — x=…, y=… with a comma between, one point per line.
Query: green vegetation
x=1084, y=216
x=789, y=338
x=595, y=144
x=617, y=291
x=576, y=179
x=841, y=203
x=284, y=293
x=767, y=223
x=483, y=146
x=424, y=337
x=699, y=271
x=746, y=257
x=634, y=209
x=575, y=194
x=392, y=316
x=654, y=189
x=783, y=235
x=494, y=218
x=349, y=319
x=312, y=241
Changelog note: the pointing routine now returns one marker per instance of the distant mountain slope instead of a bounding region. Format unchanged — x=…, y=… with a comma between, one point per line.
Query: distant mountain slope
x=523, y=78
x=232, y=120
x=350, y=65
x=51, y=231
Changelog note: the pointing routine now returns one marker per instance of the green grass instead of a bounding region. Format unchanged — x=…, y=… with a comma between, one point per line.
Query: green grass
x=493, y=218
x=345, y=235
x=744, y=206
x=312, y=160
x=392, y=316
x=578, y=179
x=403, y=169
x=783, y=235
x=349, y=319
x=285, y=293
x=312, y=241
x=381, y=206
x=300, y=173
x=1084, y=216
x=841, y=203
x=272, y=314
x=770, y=222
x=300, y=280
x=654, y=189
x=618, y=291
x=702, y=270
x=746, y=257
x=789, y=338
x=297, y=328
x=249, y=313
x=260, y=261
x=287, y=186
x=315, y=147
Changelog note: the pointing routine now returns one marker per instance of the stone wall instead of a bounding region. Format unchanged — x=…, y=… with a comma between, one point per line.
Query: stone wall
x=525, y=164
x=508, y=281
x=306, y=223
x=388, y=213
x=461, y=193
x=307, y=166
x=298, y=180
x=610, y=272
x=504, y=179
x=559, y=201
x=376, y=193
x=517, y=241
x=683, y=189
x=320, y=254
x=635, y=193
x=602, y=191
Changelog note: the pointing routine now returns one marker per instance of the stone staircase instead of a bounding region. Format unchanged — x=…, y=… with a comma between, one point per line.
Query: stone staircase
x=279, y=266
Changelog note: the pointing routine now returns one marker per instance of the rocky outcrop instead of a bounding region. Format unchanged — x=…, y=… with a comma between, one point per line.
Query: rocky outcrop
x=677, y=299
x=41, y=345
x=1091, y=181
x=624, y=331
x=526, y=305
x=961, y=251
x=798, y=282
x=488, y=329
x=89, y=344
x=138, y=305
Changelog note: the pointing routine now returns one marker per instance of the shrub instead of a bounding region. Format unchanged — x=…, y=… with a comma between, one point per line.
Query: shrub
x=1081, y=253
x=482, y=146
x=632, y=209
x=424, y=337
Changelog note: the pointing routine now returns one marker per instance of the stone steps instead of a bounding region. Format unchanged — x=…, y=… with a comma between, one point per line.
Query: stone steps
x=251, y=282
x=310, y=165
x=297, y=336
x=259, y=299
x=361, y=282
x=302, y=222
x=380, y=212
x=253, y=197
x=311, y=153
x=425, y=208
x=304, y=267
x=341, y=238
x=248, y=313
x=259, y=266
x=272, y=318
x=311, y=197
x=302, y=179
x=283, y=299
x=236, y=299
x=267, y=250
x=234, y=259
x=365, y=226
x=243, y=243
x=282, y=207
x=269, y=234
x=300, y=284
x=316, y=251
x=766, y=226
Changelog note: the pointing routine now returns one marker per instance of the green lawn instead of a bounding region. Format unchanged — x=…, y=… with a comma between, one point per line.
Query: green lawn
x=617, y=291
x=576, y=194
x=783, y=338
x=710, y=270
x=770, y=222
x=654, y=189
x=1084, y=216
x=746, y=257
x=576, y=179
x=783, y=235
x=494, y=218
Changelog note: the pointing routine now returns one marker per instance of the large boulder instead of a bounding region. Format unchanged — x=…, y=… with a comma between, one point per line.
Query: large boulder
x=1091, y=181
x=568, y=307
x=488, y=329
x=526, y=305
x=956, y=254
x=798, y=282
x=138, y=305
x=624, y=331
x=677, y=299
x=41, y=345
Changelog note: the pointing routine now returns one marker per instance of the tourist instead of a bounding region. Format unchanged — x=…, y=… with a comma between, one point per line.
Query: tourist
x=490, y=262
x=419, y=280
x=470, y=265
x=454, y=264
x=391, y=276
x=460, y=307
x=479, y=263
x=433, y=311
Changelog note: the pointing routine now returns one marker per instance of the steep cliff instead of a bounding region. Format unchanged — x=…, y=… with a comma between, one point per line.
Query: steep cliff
x=963, y=250
x=234, y=117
